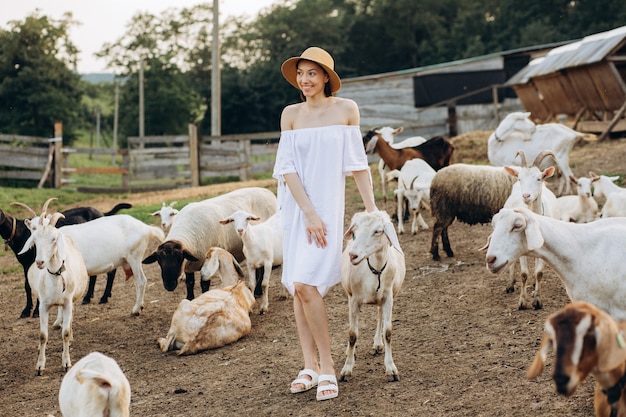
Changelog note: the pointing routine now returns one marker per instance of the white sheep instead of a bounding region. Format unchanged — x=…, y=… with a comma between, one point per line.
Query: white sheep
x=197, y=228
x=470, y=193
x=221, y=264
x=530, y=191
x=579, y=208
x=58, y=277
x=414, y=180
x=95, y=386
x=517, y=132
x=585, y=340
x=262, y=247
x=587, y=257
x=214, y=319
x=372, y=272
x=167, y=214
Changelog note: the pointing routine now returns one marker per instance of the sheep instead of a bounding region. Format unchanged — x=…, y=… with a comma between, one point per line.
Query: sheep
x=471, y=193
x=580, y=208
x=95, y=386
x=436, y=151
x=220, y=263
x=58, y=277
x=587, y=257
x=371, y=238
x=15, y=234
x=388, y=134
x=603, y=186
x=531, y=191
x=262, y=247
x=517, y=132
x=167, y=214
x=586, y=340
x=214, y=319
x=108, y=243
x=414, y=183
x=196, y=229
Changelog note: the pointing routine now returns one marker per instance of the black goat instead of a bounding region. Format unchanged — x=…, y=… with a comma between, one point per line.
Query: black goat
x=15, y=234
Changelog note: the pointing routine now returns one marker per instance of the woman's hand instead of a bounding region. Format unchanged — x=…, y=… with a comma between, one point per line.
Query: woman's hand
x=315, y=230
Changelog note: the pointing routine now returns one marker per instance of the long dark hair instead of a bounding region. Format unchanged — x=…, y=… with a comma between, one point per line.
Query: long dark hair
x=327, y=91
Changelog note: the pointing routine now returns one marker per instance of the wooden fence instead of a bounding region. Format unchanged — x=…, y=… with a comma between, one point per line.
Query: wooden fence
x=148, y=163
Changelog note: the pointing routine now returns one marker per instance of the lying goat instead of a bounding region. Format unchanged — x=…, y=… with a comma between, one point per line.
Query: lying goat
x=214, y=319
x=95, y=386
x=372, y=272
x=586, y=340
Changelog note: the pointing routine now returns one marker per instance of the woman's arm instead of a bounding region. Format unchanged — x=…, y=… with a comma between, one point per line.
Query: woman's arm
x=364, y=185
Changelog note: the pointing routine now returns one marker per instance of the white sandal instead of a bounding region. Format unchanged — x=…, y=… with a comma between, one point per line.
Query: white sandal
x=331, y=386
x=302, y=379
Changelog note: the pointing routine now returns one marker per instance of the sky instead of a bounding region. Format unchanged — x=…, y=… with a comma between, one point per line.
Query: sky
x=105, y=21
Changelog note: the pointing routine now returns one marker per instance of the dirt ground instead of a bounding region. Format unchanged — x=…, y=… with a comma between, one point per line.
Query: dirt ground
x=460, y=344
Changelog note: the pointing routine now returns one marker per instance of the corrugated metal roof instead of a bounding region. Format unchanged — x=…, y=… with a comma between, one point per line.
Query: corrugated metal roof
x=591, y=49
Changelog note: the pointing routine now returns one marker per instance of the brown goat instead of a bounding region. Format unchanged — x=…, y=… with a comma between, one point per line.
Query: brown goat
x=436, y=151
x=586, y=340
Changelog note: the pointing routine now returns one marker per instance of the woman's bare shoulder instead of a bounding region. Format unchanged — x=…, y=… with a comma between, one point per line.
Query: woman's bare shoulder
x=350, y=109
x=289, y=115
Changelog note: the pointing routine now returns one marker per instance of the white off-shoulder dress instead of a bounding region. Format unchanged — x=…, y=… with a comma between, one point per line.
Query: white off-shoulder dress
x=322, y=157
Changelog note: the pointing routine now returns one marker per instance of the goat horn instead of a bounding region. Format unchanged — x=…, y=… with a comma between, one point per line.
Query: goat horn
x=55, y=218
x=44, y=210
x=522, y=156
x=541, y=157
x=25, y=207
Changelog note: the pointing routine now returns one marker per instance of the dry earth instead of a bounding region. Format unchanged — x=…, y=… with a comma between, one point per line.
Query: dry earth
x=460, y=344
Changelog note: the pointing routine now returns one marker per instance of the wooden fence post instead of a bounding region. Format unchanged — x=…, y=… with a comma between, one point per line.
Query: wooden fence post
x=58, y=152
x=193, y=155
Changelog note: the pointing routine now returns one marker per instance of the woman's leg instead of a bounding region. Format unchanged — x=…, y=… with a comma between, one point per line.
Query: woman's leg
x=313, y=331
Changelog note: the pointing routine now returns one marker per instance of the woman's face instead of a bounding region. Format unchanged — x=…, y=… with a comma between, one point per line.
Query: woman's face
x=311, y=78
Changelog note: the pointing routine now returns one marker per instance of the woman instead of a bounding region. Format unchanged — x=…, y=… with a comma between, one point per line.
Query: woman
x=320, y=143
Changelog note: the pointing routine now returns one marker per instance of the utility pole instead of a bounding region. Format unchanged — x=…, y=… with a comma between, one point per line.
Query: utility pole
x=141, y=101
x=115, y=119
x=216, y=128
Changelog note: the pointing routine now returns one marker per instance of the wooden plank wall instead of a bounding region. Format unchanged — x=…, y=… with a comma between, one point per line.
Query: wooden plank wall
x=23, y=157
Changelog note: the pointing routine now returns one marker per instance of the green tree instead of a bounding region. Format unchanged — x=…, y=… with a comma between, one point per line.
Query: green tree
x=37, y=86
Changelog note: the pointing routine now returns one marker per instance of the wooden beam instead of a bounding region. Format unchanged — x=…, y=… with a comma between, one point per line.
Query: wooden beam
x=611, y=125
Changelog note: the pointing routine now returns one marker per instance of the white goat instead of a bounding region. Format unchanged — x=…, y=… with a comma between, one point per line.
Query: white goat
x=262, y=247
x=517, y=132
x=167, y=215
x=58, y=277
x=112, y=242
x=389, y=134
x=586, y=341
x=604, y=186
x=217, y=317
x=414, y=180
x=220, y=263
x=580, y=208
x=586, y=256
x=95, y=386
x=372, y=272
x=530, y=191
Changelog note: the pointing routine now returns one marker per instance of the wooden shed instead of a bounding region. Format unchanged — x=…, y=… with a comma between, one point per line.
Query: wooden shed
x=581, y=83
x=444, y=99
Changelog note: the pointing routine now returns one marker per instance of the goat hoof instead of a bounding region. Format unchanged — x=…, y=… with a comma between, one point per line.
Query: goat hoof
x=103, y=300
x=39, y=372
x=537, y=306
x=343, y=378
x=394, y=378
x=509, y=290
x=25, y=313
x=522, y=307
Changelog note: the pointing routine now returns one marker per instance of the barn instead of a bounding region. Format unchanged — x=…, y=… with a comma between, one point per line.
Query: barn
x=444, y=99
x=582, y=84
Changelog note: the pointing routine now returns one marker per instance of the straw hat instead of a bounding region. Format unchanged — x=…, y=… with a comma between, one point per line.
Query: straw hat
x=320, y=57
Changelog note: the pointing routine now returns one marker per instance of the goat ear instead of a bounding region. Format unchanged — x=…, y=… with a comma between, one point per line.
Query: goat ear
x=548, y=172
x=610, y=345
x=212, y=265
x=27, y=245
x=390, y=232
x=349, y=233
x=534, y=240
x=226, y=221
x=156, y=213
x=487, y=244
x=540, y=357
x=511, y=171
